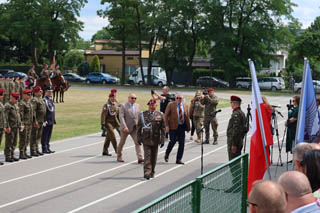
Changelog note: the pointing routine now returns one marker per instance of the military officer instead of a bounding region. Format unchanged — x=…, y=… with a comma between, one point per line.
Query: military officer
x=103, y=134
x=27, y=120
x=17, y=85
x=151, y=133
x=22, y=85
x=6, y=95
x=2, y=117
x=236, y=128
x=39, y=109
x=109, y=122
x=13, y=125
x=197, y=111
x=210, y=101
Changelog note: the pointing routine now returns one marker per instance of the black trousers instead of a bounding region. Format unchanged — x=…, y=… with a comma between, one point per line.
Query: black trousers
x=46, y=136
x=177, y=135
x=193, y=128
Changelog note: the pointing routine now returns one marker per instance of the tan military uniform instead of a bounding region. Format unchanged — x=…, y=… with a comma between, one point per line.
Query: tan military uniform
x=16, y=88
x=13, y=122
x=39, y=110
x=236, y=132
x=210, y=107
x=6, y=95
x=110, y=119
x=27, y=119
x=197, y=112
x=22, y=86
x=3, y=120
x=150, y=132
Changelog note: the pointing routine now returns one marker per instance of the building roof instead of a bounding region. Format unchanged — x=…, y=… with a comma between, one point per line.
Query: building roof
x=113, y=52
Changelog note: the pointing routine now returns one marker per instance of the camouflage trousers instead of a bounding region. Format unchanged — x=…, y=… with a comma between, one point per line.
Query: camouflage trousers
x=198, y=122
x=11, y=143
x=214, y=125
x=150, y=159
x=1, y=133
x=25, y=137
x=235, y=168
x=110, y=137
x=36, y=134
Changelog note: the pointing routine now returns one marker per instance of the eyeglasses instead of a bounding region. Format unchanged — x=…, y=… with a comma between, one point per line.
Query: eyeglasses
x=133, y=98
x=178, y=98
x=250, y=203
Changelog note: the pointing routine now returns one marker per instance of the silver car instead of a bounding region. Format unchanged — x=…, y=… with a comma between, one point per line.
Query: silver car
x=316, y=84
x=273, y=83
x=243, y=82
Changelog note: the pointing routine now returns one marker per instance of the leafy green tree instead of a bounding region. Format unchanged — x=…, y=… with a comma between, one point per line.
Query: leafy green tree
x=73, y=59
x=95, y=64
x=84, y=68
x=101, y=34
x=81, y=44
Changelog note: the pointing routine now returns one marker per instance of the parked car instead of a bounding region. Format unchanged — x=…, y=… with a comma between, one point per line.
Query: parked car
x=208, y=81
x=73, y=77
x=11, y=75
x=4, y=72
x=243, y=82
x=316, y=84
x=104, y=78
x=156, y=81
x=273, y=83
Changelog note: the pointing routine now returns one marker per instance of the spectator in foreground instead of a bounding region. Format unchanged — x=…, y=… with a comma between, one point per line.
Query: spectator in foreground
x=298, y=152
x=267, y=201
x=311, y=168
x=298, y=192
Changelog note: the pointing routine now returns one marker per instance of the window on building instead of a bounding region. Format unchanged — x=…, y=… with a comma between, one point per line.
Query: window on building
x=129, y=58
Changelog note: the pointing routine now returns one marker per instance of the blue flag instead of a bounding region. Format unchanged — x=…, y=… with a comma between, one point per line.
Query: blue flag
x=308, y=128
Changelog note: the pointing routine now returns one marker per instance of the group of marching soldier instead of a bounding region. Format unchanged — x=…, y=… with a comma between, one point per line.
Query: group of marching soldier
x=24, y=114
x=151, y=127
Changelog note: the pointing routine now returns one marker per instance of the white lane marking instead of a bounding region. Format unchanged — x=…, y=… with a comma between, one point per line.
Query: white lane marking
x=74, y=182
x=137, y=184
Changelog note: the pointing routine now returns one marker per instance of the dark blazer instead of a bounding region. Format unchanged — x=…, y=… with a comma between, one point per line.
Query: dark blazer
x=50, y=111
x=171, y=116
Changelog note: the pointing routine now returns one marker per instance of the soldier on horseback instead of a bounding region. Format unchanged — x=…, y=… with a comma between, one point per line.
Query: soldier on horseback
x=32, y=76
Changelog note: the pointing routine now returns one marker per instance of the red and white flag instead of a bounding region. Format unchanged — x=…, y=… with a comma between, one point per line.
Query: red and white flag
x=259, y=153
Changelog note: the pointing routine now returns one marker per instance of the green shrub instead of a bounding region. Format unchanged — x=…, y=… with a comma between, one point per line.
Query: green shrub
x=84, y=68
x=95, y=65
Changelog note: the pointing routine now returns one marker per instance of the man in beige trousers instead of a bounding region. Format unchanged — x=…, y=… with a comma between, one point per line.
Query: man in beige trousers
x=128, y=117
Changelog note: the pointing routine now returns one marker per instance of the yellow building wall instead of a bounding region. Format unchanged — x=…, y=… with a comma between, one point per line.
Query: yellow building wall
x=113, y=64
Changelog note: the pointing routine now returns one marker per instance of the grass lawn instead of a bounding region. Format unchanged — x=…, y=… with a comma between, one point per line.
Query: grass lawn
x=80, y=113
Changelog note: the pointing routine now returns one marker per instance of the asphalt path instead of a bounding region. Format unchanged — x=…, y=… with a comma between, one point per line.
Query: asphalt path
x=77, y=178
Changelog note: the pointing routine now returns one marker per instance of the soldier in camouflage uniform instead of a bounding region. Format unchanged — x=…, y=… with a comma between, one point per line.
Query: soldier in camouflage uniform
x=32, y=75
x=197, y=111
x=151, y=133
x=103, y=134
x=2, y=117
x=235, y=133
x=39, y=109
x=22, y=85
x=27, y=120
x=210, y=101
x=6, y=95
x=17, y=85
x=13, y=125
x=109, y=122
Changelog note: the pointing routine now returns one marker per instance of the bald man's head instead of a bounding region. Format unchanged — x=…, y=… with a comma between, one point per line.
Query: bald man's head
x=295, y=183
x=315, y=145
x=268, y=197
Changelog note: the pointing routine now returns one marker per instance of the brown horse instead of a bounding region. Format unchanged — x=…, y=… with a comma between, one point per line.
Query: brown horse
x=63, y=88
x=43, y=83
x=59, y=86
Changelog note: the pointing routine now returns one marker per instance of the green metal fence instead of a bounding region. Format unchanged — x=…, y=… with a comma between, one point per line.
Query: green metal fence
x=223, y=189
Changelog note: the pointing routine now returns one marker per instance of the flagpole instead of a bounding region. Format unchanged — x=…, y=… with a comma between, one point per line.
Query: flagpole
x=260, y=120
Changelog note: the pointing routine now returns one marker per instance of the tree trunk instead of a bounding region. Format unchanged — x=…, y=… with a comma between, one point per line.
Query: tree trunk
x=123, y=56
x=140, y=45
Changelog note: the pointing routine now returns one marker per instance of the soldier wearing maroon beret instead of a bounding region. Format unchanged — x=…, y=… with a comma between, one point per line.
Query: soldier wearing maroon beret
x=109, y=122
x=2, y=117
x=151, y=133
x=235, y=133
x=13, y=125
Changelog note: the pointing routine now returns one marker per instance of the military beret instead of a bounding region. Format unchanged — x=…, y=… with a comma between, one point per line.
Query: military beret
x=15, y=95
x=235, y=98
x=210, y=89
x=2, y=91
x=112, y=95
x=26, y=91
x=152, y=101
x=37, y=89
x=114, y=91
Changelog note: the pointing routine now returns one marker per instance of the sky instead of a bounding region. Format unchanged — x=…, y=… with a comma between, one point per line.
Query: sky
x=306, y=11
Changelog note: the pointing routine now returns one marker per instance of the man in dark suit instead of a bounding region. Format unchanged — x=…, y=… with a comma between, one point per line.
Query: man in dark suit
x=49, y=121
x=177, y=122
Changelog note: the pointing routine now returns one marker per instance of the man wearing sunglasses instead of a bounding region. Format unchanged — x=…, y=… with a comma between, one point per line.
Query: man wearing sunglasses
x=27, y=119
x=128, y=117
x=177, y=122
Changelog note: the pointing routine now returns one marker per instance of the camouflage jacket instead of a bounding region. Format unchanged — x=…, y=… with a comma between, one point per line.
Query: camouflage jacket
x=110, y=113
x=236, y=127
x=210, y=104
x=39, y=109
x=3, y=120
x=26, y=112
x=196, y=109
x=12, y=114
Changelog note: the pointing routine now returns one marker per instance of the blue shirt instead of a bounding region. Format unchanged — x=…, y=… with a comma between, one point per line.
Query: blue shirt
x=179, y=122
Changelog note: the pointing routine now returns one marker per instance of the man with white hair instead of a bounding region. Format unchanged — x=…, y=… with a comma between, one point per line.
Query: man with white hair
x=298, y=152
x=298, y=192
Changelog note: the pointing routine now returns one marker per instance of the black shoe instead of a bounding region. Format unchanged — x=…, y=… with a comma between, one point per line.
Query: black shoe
x=106, y=154
x=23, y=157
x=34, y=154
x=215, y=143
x=206, y=142
x=1, y=163
x=39, y=153
x=166, y=158
x=179, y=162
x=15, y=159
x=152, y=175
x=28, y=156
x=10, y=160
x=45, y=152
x=146, y=176
x=51, y=151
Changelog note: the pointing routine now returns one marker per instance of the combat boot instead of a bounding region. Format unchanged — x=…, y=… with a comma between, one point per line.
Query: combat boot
x=15, y=159
x=215, y=142
x=28, y=156
x=10, y=160
x=22, y=156
x=206, y=141
x=34, y=154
